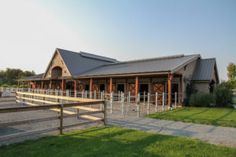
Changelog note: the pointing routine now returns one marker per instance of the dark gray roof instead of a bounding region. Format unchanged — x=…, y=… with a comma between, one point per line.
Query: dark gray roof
x=204, y=69
x=161, y=64
x=35, y=77
x=78, y=63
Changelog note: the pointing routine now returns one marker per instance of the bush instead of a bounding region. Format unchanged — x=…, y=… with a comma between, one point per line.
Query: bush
x=201, y=99
x=223, y=95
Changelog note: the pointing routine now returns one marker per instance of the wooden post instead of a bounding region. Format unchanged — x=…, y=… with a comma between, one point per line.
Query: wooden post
x=105, y=112
x=110, y=85
x=62, y=85
x=50, y=84
x=148, y=104
x=181, y=91
x=75, y=88
x=156, y=101
x=42, y=85
x=144, y=98
x=175, y=99
x=138, y=105
x=61, y=119
x=170, y=77
x=136, y=86
x=111, y=101
x=90, y=88
x=122, y=103
x=163, y=101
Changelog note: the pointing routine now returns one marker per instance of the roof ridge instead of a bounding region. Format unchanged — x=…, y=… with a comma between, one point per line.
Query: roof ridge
x=87, y=54
x=152, y=59
x=90, y=55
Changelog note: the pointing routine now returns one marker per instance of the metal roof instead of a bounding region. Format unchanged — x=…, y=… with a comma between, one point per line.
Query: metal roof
x=153, y=65
x=204, y=70
x=78, y=63
x=35, y=77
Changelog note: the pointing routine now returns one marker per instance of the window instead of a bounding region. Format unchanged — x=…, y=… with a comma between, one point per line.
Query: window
x=56, y=72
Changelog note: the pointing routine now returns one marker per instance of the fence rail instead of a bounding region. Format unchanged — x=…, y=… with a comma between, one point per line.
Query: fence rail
x=88, y=116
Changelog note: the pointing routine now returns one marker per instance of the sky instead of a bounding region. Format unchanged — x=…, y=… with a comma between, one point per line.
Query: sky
x=31, y=30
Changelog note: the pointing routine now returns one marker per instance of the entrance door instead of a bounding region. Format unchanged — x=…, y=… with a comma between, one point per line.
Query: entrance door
x=120, y=88
x=143, y=88
x=175, y=88
x=159, y=88
x=102, y=87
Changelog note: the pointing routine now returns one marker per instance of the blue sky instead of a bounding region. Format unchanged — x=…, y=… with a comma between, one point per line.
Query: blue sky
x=123, y=29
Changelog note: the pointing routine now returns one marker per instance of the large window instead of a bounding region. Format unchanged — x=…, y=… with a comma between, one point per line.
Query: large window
x=56, y=72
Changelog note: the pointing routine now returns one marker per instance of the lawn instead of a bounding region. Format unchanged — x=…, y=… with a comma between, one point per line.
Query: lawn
x=115, y=142
x=212, y=116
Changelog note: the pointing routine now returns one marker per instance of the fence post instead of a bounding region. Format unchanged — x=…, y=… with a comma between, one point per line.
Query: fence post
x=163, y=101
x=122, y=103
x=144, y=98
x=111, y=100
x=105, y=111
x=95, y=94
x=138, y=105
x=156, y=101
x=148, y=104
x=175, y=99
x=61, y=119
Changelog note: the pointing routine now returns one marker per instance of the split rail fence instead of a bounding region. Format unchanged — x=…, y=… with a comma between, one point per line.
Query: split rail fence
x=65, y=107
x=124, y=103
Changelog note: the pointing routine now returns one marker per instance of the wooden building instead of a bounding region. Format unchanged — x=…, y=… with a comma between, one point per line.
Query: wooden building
x=88, y=72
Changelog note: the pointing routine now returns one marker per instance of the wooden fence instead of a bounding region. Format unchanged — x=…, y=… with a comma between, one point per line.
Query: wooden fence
x=89, y=114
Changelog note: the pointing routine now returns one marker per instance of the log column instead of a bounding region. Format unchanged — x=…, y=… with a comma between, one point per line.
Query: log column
x=110, y=85
x=50, y=84
x=136, y=86
x=91, y=85
x=42, y=85
x=62, y=84
x=170, y=77
x=75, y=88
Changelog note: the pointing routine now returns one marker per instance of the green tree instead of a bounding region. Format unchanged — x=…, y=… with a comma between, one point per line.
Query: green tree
x=231, y=68
x=10, y=76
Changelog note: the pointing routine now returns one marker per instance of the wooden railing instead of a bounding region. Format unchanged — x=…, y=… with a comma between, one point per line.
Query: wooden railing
x=88, y=115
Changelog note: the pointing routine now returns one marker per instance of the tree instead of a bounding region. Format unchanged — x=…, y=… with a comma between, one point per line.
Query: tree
x=231, y=68
x=10, y=76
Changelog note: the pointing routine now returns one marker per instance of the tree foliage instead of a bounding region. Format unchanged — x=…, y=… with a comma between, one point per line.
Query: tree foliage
x=223, y=94
x=231, y=68
x=10, y=76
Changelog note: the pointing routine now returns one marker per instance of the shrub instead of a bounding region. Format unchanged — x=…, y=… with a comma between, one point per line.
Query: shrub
x=223, y=95
x=189, y=91
x=201, y=99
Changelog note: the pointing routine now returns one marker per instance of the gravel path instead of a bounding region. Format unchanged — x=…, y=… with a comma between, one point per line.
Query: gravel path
x=212, y=134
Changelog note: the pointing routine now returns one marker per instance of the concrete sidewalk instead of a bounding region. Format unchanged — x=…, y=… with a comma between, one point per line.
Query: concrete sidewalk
x=212, y=134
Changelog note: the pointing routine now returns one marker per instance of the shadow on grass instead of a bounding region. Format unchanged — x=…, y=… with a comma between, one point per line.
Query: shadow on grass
x=91, y=142
x=113, y=142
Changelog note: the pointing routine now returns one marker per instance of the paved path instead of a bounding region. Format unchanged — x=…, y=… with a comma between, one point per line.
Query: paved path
x=211, y=134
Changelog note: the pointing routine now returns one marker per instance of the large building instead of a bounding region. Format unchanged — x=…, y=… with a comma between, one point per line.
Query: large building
x=88, y=72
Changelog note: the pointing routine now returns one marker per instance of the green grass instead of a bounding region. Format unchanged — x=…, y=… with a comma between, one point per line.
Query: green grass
x=115, y=142
x=213, y=116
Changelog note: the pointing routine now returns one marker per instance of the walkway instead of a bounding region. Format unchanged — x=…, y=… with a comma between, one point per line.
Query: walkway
x=211, y=134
